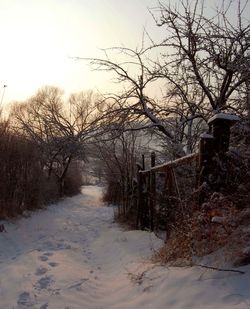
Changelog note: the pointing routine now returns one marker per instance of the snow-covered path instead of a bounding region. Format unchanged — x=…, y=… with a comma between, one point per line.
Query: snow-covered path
x=73, y=256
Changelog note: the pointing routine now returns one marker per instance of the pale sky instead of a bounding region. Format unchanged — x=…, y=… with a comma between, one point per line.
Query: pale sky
x=39, y=36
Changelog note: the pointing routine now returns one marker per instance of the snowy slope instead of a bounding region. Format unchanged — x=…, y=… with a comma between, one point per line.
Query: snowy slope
x=72, y=256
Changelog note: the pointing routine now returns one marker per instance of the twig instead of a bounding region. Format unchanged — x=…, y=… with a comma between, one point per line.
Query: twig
x=220, y=269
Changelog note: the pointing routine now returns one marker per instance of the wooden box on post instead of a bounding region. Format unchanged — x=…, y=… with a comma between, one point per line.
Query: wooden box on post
x=213, y=147
x=219, y=126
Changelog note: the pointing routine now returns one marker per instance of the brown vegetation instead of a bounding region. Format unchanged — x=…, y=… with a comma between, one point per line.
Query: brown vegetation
x=220, y=223
x=24, y=184
x=40, y=147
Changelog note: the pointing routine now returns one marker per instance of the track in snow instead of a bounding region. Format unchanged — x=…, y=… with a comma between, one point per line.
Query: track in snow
x=70, y=256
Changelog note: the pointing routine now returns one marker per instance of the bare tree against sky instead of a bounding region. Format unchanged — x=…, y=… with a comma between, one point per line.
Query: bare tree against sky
x=203, y=60
x=60, y=133
x=211, y=53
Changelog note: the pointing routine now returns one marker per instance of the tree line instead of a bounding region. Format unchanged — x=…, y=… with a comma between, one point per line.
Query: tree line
x=43, y=144
x=200, y=67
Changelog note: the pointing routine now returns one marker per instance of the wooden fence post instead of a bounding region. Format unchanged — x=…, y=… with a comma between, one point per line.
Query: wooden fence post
x=152, y=193
x=139, y=196
x=169, y=190
x=140, y=207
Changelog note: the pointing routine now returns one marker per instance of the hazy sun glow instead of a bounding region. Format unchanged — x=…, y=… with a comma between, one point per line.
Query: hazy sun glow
x=38, y=37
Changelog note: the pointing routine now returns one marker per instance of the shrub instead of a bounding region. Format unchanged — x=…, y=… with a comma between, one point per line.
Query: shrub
x=20, y=174
x=73, y=180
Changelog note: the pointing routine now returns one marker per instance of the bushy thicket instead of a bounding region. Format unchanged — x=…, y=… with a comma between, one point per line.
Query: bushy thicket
x=41, y=146
x=73, y=179
x=221, y=222
x=119, y=169
x=24, y=184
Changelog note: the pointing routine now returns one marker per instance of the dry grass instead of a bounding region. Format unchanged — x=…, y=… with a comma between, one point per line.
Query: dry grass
x=197, y=235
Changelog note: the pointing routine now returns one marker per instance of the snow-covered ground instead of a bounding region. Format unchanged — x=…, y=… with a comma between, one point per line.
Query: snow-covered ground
x=73, y=256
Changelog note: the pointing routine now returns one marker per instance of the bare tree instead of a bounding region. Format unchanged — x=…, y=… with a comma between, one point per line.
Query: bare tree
x=136, y=74
x=118, y=155
x=203, y=62
x=60, y=130
x=209, y=53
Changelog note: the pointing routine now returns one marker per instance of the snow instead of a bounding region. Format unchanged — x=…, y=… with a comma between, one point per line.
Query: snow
x=246, y=231
x=218, y=219
x=206, y=135
x=246, y=250
x=73, y=256
x=173, y=163
x=230, y=117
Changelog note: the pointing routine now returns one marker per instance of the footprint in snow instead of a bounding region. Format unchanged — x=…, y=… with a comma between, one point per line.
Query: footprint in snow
x=53, y=264
x=48, y=253
x=41, y=271
x=44, y=282
x=49, y=245
x=43, y=258
x=63, y=246
x=25, y=300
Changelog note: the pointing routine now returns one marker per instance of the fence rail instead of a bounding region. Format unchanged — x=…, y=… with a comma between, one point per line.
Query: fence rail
x=171, y=164
x=162, y=189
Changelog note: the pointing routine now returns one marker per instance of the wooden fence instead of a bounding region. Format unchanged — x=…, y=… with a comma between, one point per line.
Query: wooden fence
x=162, y=188
x=161, y=191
